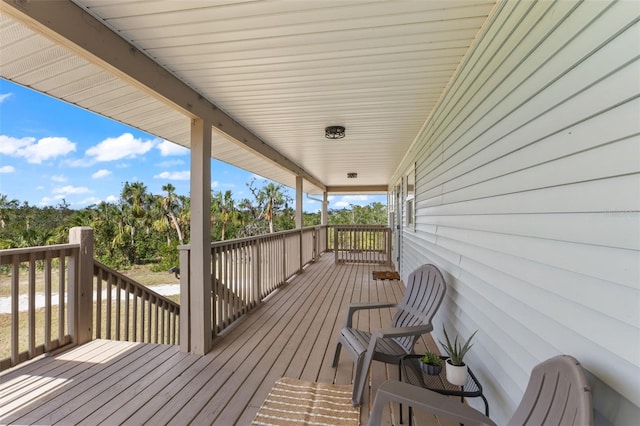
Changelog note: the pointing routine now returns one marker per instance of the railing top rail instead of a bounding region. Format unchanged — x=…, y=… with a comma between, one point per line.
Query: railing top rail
x=134, y=284
x=375, y=227
x=6, y=254
x=257, y=237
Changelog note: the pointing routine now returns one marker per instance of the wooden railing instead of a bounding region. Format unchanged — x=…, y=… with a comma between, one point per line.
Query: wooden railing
x=129, y=311
x=51, y=291
x=42, y=278
x=80, y=299
x=362, y=244
x=245, y=271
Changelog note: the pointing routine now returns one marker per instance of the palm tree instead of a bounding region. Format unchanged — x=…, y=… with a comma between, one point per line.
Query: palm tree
x=7, y=209
x=223, y=210
x=134, y=196
x=135, y=215
x=169, y=205
x=106, y=222
x=270, y=199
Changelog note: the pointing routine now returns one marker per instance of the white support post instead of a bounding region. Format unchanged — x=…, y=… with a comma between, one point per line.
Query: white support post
x=185, y=299
x=299, y=223
x=200, y=310
x=299, y=202
x=325, y=210
x=80, y=312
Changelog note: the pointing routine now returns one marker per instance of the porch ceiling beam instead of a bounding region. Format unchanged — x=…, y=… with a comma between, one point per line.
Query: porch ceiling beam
x=71, y=26
x=357, y=189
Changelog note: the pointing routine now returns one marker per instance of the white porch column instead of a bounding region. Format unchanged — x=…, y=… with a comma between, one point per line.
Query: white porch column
x=200, y=259
x=324, y=218
x=299, y=202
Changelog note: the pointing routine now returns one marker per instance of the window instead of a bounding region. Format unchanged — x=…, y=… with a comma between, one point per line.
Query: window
x=410, y=190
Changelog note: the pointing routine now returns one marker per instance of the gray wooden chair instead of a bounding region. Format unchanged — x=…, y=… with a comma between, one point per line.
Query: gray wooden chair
x=422, y=297
x=557, y=394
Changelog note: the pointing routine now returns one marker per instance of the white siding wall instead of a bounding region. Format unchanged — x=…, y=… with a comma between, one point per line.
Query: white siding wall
x=528, y=198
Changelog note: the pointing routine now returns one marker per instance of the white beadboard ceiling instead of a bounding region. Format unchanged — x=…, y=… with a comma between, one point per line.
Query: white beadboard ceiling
x=282, y=69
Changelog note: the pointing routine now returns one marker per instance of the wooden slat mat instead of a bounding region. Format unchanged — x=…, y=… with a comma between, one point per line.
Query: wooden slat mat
x=298, y=402
x=385, y=275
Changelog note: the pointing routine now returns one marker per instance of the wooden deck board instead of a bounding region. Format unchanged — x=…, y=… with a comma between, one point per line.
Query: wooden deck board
x=66, y=382
x=292, y=334
x=73, y=405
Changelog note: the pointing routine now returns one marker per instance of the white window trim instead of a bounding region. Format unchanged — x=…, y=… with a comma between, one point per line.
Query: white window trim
x=410, y=198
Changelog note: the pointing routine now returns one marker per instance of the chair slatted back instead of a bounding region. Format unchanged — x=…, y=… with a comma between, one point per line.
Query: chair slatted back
x=557, y=393
x=424, y=293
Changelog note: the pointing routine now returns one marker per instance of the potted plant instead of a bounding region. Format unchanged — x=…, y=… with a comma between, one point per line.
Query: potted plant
x=456, y=368
x=431, y=363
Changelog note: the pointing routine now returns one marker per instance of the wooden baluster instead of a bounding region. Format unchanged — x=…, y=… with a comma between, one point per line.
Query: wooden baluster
x=15, y=312
x=47, y=300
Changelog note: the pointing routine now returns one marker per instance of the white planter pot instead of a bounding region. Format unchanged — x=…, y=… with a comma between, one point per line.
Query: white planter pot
x=456, y=375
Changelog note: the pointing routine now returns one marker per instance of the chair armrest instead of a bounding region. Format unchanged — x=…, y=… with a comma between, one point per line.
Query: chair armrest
x=354, y=307
x=424, y=399
x=415, y=330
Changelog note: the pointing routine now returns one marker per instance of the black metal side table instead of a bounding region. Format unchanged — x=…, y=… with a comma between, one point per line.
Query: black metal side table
x=412, y=374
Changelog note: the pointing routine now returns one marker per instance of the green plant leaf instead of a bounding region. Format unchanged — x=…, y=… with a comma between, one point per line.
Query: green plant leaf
x=456, y=351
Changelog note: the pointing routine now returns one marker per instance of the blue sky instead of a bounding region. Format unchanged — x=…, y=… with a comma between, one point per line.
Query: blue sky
x=50, y=151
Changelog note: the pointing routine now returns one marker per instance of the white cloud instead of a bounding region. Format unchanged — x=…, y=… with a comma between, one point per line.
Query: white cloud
x=215, y=184
x=7, y=169
x=70, y=189
x=79, y=162
x=36, y=153
x=11, y=146
x=363, y=198
x=168, y=149
x=46, y=201
x=111, y=199
x=87, y=201
x=4, y=96
x=124, y=146
x=183, y=175
x=347, y=200
x=58, y=178
x=170, y=163
x=47, y=148
x=101, y=173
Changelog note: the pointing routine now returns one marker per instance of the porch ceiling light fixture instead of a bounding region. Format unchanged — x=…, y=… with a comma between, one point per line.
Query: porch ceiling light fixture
x=334, y=132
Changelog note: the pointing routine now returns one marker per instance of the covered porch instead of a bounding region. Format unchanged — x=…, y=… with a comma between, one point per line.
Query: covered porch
x=292, y=334
x=504, y=133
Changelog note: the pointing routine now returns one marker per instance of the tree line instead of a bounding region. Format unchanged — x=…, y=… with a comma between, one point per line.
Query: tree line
x=141, y=227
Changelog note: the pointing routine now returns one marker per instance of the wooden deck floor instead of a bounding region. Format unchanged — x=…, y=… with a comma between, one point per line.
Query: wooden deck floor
x=292, y=334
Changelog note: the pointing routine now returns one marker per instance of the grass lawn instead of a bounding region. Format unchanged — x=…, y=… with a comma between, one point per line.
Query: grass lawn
x=140, y=273
x=144, y=275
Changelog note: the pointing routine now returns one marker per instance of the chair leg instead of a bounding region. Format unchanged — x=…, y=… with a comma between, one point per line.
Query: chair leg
x=362, y=373
x=359, y=380
x=336, y=357
x=400, y=379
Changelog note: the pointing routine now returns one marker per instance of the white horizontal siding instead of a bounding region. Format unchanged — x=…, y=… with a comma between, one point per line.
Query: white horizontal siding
x=528, y=197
